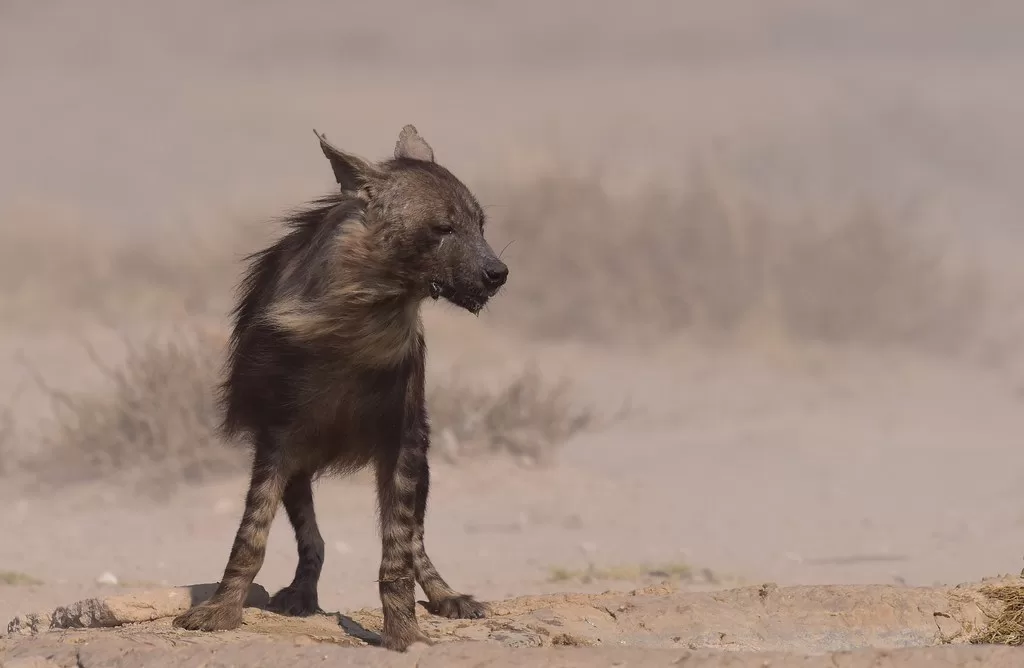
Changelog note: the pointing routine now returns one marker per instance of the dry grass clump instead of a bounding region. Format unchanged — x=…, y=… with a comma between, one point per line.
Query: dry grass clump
x=157, y=419
x=528, y=418
x=671, y=571
x=18, y=579
x=696, y=256
x=1006, y=626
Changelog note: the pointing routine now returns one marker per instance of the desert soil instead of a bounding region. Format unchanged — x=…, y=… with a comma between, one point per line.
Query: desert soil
x=828, y=478
x=761, y=502
x=867, y=625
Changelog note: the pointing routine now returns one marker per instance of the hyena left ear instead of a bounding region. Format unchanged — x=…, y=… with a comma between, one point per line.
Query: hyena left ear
x=411, y=145
x=351, y=172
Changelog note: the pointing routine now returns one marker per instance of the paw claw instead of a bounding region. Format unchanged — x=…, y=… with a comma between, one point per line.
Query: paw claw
x=462, y=606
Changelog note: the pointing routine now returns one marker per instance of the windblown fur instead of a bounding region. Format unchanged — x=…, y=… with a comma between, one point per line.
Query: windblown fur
x=325, y=372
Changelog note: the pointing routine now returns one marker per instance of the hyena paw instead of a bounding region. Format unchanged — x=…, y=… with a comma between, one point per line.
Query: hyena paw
x=210, y=617
x=295, y=602
x=460, y=606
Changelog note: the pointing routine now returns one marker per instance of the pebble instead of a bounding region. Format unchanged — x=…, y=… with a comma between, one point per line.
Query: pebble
x=107, y=578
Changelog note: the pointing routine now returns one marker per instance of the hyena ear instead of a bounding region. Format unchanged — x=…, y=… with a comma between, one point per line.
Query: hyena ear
x=351, y=172
x=411, y=145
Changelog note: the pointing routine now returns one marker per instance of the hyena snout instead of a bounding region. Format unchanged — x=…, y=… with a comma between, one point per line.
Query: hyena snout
x=495, y=273
x=473, y=282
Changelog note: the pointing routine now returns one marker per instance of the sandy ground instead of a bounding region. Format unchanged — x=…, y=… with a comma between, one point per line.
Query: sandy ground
x=794, y=470
x=730, y=468
x=827, y=477
x=876, y=625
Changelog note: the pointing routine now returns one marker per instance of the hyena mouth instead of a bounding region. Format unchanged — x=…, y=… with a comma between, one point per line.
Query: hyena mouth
x=472, y=303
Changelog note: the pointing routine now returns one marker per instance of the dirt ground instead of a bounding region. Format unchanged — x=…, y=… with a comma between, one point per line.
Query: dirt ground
x=804, y=435
x=868, y=625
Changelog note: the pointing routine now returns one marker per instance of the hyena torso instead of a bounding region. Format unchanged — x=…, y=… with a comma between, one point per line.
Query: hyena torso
x=326, y=373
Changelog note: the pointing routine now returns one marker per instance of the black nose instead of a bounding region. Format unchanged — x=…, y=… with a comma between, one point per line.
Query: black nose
x=495, y=275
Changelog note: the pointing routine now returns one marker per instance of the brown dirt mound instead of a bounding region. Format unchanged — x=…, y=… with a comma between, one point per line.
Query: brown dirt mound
x=874, y=625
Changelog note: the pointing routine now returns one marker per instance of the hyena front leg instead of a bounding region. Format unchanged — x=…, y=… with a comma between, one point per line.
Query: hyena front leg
x=224, y=610
x=299, y=599
x=397, y=474
x=442, y=599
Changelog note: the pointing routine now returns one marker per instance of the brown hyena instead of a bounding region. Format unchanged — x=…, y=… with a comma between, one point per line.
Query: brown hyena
x=325, y=373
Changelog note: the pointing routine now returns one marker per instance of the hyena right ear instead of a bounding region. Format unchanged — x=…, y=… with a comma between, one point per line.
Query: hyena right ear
x=412, y=146
x=351, y=172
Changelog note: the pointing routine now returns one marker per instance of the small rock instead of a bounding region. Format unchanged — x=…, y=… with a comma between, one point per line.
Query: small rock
x=949, y=628
x=767, y=590
x=107, y=578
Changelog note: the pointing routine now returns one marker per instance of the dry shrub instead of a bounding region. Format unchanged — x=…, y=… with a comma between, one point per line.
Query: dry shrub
x=699, y=257
x=18, y=579
x=528, y=418
x=872, y=280
x=156, y=421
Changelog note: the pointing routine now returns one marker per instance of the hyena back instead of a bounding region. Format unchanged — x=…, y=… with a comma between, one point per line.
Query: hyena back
x=325, y=373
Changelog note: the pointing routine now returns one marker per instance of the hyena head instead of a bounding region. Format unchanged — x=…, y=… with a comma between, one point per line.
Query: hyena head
x=424, y=221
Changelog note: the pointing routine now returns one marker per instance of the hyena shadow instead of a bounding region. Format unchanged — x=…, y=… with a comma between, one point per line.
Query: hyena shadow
x=256, y=597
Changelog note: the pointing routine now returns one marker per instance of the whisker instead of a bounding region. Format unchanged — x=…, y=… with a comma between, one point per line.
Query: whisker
x=506, y=247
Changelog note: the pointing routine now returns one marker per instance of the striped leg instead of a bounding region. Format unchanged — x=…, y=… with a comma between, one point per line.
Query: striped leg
x=442, y=599
x=224, y=610
x=299, y=599
x=397, y=475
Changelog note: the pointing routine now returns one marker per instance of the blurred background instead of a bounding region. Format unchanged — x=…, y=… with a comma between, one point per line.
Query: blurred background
x=764, y=318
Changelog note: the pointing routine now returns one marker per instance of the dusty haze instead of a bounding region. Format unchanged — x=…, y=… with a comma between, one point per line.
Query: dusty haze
x=771, y=247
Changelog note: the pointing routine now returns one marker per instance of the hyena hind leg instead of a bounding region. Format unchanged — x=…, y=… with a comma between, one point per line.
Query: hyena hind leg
x=299, y=599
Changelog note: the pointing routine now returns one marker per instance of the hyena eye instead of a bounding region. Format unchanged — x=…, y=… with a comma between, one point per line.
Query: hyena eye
x=443, y=228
